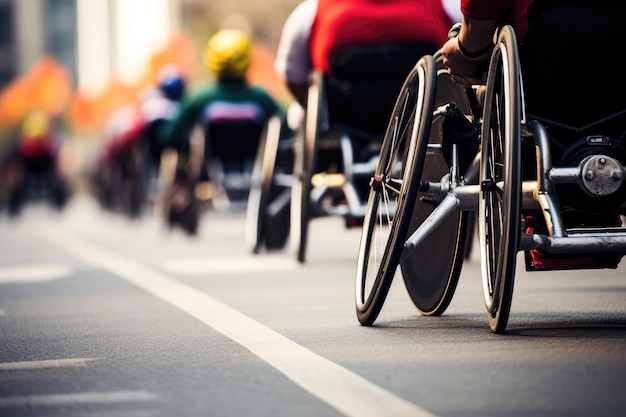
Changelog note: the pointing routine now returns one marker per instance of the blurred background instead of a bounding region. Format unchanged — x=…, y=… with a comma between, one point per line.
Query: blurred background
x=81, y=60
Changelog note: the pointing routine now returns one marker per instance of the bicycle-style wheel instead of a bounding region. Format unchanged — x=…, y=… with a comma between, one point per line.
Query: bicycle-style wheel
x=500, y=176
x=431, y=269
x=394, y=190
x=305, y=150
x=260, y=187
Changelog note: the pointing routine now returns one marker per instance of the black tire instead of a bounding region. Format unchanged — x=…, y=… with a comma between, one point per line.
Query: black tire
x=500, y=176
x=16, y=199
x=304, y=165
x=261, y=186
x=60, y=193
x=191, y=218
x=394, y=190
x=181, y=206
x=278, y=221
x=431, y=269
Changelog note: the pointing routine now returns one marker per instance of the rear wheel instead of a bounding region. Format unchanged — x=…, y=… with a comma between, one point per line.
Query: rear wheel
x=260, y=186
x=304, y=164
x=500, y=176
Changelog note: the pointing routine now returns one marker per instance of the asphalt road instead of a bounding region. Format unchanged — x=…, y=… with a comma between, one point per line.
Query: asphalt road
x=104, y=316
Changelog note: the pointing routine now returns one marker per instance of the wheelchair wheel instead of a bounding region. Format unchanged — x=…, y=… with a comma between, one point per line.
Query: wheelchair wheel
x=261, y=187
x=500, y=176
x=394, y=190
x=431, y=270
x=304, y=163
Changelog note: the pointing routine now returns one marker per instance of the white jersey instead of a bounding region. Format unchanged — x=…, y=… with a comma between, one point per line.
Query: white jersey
x=293, y=58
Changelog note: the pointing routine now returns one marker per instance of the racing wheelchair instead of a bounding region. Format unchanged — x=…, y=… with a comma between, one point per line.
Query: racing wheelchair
x=537, y=155
x=217, y=172
x=345, y=120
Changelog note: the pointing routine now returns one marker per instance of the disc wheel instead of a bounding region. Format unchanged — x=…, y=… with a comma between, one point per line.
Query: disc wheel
x=431, y=269
x=500, y=176
x=261, y=186
x=394, y=190
x=304, y=164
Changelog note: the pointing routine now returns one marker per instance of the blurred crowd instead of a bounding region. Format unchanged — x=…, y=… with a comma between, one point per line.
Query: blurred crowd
x=155, y=145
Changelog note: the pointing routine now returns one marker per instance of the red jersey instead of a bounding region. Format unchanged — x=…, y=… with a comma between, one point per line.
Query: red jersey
x=341, y=23
x=514, y=11
x=37, y=147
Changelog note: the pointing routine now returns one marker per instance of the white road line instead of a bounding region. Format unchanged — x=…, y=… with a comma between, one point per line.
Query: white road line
x=33, y=273
x=339, y=387
x=111, y=397
x=226, y=265
x=53, y=363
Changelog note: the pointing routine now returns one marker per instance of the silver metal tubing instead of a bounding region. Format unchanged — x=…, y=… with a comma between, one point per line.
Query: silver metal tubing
x=448, y=207
x=347, y=156
x=610, y=240
x=564, y=175
x=543, y=193
x=551, y=213
x=462, y=198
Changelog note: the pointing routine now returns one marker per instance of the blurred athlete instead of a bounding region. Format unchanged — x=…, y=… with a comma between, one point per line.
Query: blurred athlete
x=316, y=30
x=37, y=163
x=230, y=100
x=221, y=124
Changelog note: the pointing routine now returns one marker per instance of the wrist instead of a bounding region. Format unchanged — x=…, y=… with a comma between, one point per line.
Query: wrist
x=479, y=55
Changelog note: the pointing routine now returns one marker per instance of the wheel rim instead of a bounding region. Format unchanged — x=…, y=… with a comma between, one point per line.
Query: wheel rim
x=303, y=170
x=499, y=205
x=260, y=184
x=384, y=227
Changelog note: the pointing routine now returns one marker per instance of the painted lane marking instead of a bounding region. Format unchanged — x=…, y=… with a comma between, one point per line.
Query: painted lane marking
x=17, y=274
x=340, y=388
x=221, y=266
x=111, y=397
x=52, y=363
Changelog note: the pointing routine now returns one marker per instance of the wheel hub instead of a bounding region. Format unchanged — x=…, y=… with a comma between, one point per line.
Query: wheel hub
x=601, y=175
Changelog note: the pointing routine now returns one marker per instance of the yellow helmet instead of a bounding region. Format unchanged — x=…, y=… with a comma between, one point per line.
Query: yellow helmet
x=36, y=124
x=228, y=53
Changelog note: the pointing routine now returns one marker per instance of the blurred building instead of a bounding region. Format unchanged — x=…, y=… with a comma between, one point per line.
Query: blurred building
x=93, y=39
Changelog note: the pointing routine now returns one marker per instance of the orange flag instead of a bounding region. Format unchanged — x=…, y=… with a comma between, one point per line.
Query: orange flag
x=47, y=86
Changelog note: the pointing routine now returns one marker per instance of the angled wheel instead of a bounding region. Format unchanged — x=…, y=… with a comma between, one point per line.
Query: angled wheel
x=500, y=176
x=431, y=269
x=304, y=165
x=259, y=196
x=394, y=190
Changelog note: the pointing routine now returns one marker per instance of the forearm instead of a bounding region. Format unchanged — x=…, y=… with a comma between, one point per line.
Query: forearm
x=476, y=35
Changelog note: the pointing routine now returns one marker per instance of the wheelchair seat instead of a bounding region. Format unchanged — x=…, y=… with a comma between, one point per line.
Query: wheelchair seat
x=360, y=91
x=230, y=150
x=364, y=80
x=234, y=143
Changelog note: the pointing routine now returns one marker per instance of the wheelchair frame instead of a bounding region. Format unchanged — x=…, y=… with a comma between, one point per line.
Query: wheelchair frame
x=334, y=179
x=421, y=200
